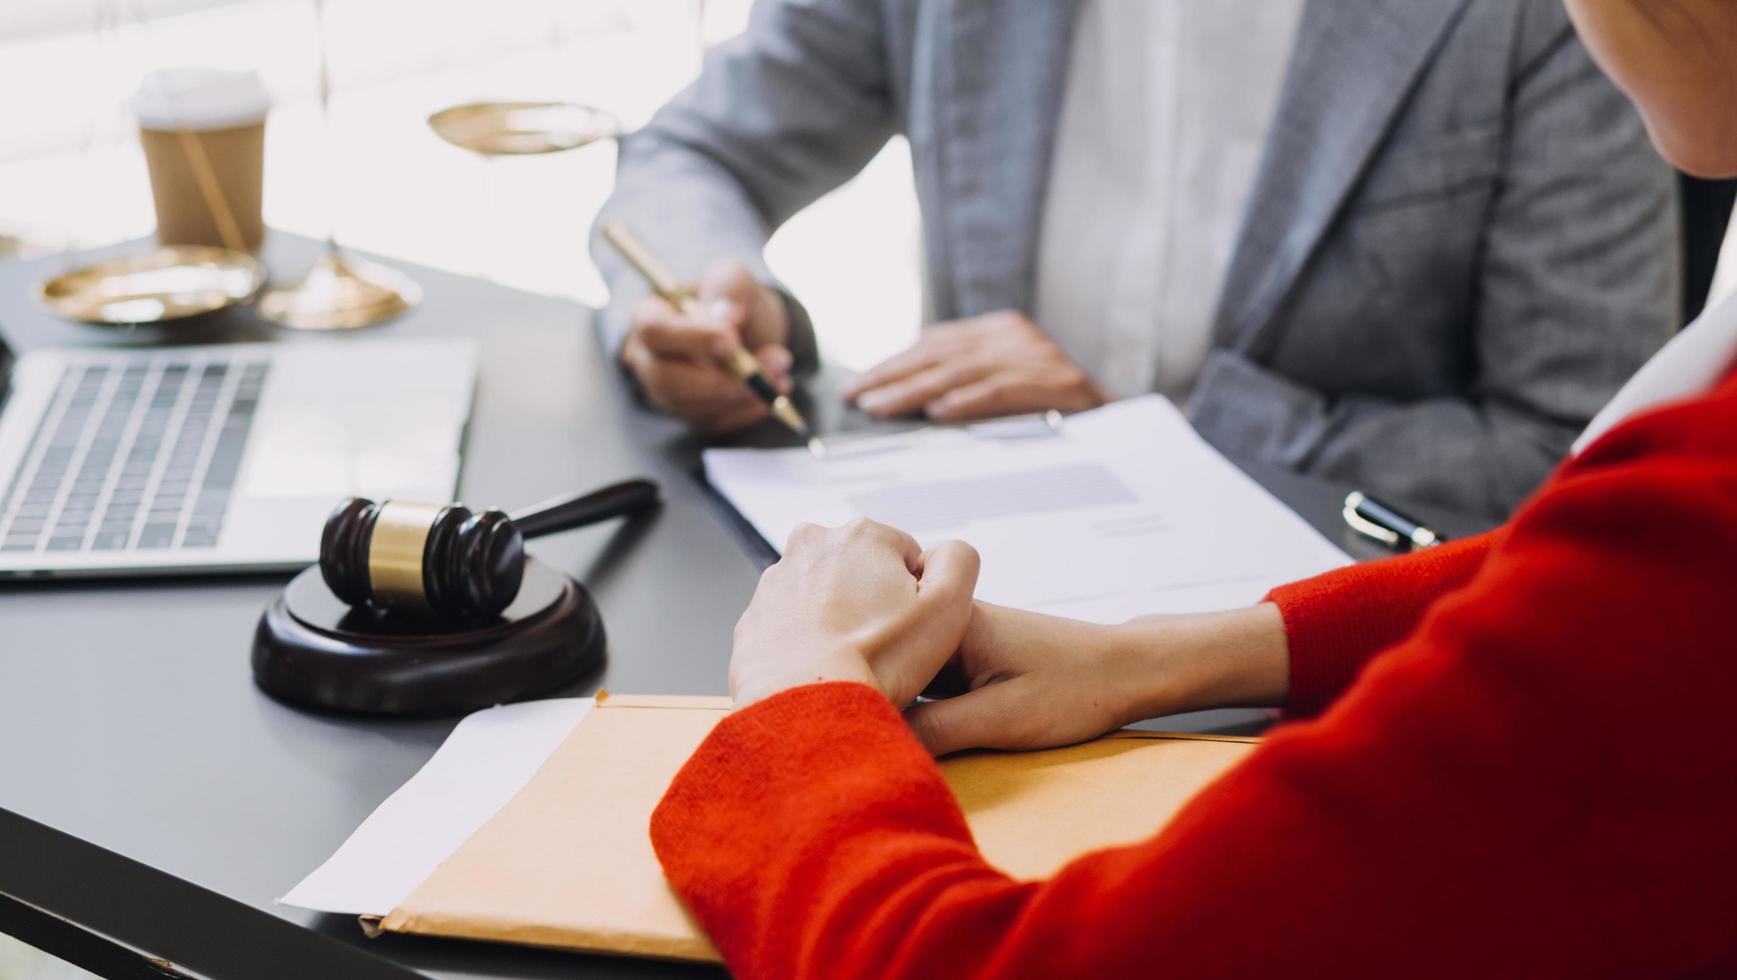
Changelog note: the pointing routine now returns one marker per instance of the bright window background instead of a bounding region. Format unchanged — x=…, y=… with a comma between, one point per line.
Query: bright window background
x=71, y=174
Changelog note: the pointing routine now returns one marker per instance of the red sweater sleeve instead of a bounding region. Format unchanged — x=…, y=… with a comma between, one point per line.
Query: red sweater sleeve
x=1337, y=622
x=1540, y=780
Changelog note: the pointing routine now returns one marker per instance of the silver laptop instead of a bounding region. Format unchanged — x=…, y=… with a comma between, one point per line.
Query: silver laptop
x=219, y=458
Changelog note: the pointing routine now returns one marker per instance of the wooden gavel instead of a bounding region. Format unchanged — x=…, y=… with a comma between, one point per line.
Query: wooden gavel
x=444, y=560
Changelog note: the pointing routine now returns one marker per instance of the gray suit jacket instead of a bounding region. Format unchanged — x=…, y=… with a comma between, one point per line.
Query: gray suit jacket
x=1460, y=241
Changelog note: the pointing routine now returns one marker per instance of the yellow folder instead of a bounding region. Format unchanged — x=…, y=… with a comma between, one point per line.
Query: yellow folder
x=568, y=863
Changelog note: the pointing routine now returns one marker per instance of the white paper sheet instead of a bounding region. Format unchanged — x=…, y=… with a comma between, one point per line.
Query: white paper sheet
x=483, y=764
x=1123, y=511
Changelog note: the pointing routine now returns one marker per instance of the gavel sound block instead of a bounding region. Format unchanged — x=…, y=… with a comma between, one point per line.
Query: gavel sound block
x=386, y=648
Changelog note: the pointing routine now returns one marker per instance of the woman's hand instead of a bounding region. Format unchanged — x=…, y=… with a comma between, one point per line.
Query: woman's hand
x=1022, y=680
x=986, y=366
x=861, y=602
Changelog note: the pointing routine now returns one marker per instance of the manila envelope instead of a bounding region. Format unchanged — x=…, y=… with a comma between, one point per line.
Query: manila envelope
x=568, y=862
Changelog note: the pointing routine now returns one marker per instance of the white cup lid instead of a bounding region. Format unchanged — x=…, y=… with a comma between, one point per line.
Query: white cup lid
x=199, y=98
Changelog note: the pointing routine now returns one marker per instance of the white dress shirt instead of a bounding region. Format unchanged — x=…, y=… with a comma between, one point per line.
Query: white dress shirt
x=1692, y=364
x=1165, y=114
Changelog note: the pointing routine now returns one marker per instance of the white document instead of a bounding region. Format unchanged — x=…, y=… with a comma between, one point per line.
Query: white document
x=1119, y=512
x=480, y=767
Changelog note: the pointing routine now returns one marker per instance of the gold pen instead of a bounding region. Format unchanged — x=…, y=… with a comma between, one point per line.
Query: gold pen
x=739, y=362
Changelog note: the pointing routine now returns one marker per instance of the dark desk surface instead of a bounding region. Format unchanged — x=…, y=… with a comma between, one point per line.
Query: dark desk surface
x=150, y=792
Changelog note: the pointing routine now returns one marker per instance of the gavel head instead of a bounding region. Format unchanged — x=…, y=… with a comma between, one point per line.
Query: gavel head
x=422, y=559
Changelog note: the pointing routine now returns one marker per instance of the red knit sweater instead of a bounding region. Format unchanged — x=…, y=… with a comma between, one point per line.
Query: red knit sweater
x=1524, y=764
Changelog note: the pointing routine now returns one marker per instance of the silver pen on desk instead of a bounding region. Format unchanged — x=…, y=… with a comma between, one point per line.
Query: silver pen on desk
x=1386, y=524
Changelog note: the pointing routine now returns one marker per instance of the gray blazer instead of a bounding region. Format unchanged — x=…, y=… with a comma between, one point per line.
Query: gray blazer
x=1460, y=241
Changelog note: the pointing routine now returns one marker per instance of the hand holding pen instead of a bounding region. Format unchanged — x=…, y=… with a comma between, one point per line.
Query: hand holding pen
x=712, y=354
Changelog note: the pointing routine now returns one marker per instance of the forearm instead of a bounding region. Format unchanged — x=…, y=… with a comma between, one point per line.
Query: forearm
x=1172, y=664
x=1069, y=680
x=1299, y=650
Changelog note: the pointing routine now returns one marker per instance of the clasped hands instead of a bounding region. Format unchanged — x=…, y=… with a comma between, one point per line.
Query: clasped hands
x=866, y=603
x=982, y=367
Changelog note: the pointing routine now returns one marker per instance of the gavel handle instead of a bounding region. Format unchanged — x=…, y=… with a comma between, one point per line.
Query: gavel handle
x=563, y=513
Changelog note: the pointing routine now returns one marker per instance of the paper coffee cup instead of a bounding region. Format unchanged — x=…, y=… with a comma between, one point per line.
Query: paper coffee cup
x=203, y=133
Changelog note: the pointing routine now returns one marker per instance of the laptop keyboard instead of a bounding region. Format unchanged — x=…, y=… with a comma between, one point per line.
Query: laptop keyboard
x=134, y=455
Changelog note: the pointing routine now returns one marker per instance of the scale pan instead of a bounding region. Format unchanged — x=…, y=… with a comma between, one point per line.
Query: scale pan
x=523, y=128
x=170, y=283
